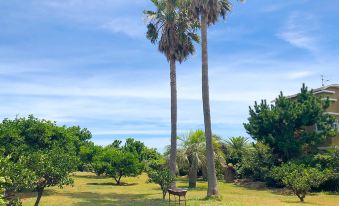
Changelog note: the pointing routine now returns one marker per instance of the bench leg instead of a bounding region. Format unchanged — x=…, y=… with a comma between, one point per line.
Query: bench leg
x=179, y=200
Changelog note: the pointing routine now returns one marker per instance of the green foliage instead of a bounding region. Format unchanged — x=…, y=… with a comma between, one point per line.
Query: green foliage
x=38, y=153
x=3, y=181
x=256, y=162
x=327, y=160
x=156, y=164
x=140, y=150
x=116, y=163
x=163, y=178
x=298, y=178
x=87, y=154
x=20, y=177
x=51, y=168
x=191, y=155
x=212, y=9
x=235, y=148
x=173, y=28
x=288, y=126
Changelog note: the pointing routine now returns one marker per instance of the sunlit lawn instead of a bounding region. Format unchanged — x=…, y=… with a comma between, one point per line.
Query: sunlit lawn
x=90, y=190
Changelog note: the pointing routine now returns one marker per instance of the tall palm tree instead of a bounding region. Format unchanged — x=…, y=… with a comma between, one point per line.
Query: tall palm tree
x=173, y=29
x=208, y=12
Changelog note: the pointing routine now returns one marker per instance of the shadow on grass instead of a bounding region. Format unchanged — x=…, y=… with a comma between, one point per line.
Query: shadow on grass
x=26, y=195
x=89, y=177
x=298, y=202
x=122, y=184
x=99, y=199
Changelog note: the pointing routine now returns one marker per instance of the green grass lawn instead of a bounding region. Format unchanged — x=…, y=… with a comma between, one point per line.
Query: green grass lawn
x=89, y=190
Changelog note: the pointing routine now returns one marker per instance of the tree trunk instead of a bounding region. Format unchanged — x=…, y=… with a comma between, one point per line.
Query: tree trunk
x=40, y=192
x=173, y=154
x=212, y=179
x=163, y=196
x=301, y=196
x=192, y=176
x=117, y=180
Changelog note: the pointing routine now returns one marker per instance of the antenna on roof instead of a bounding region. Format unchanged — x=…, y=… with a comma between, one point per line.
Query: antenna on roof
x=323, y=80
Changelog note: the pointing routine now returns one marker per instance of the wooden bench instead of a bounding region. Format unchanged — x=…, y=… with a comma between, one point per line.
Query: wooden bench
x=177, y=192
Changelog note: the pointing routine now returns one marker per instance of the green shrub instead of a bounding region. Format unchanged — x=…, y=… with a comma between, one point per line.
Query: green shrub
x=328, y=160
x=298, y=178
x=163, y=178
x=256, y=163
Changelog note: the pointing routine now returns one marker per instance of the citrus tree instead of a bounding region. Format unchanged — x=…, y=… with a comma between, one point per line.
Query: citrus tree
x=38, y=153
x=117, y=163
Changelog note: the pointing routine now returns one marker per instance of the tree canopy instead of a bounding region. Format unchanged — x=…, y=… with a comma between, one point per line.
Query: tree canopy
x=37, y=153
x=291, y=126
x=117, y=163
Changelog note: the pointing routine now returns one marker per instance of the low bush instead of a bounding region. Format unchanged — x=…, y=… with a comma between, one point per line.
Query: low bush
x=256, y=163
x=298, y=178
x=163, y=178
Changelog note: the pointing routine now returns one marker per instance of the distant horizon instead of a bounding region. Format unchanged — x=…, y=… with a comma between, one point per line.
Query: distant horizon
x=88, y=63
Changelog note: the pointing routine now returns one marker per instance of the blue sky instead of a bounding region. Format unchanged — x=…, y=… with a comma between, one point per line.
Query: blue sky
x=87, y=63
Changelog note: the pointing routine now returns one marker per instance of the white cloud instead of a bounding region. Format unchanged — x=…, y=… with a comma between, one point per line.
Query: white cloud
x=299, y=74
x=129, y=26
x=300, y=31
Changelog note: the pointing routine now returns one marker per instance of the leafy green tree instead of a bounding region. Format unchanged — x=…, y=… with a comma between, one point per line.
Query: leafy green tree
x=116, y=163
x=163, y=178
x=87, y=154
x=22, y=135
x=298, y=178
x=140, y=150
x=292, y=126
x=116, y=144
x=41, y=148
x=174, y=32
x=208, y=12
x=18, y=178
x=80, y=136
x=51, y=168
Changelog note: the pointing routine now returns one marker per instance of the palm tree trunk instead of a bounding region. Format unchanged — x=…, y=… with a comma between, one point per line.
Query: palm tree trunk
x=212, y=179
x=173, y=155
x=193, y=174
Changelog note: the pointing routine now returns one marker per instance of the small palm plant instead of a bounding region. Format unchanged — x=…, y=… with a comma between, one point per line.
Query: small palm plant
x=173, y=29
x=192, y=153
x=236, y=148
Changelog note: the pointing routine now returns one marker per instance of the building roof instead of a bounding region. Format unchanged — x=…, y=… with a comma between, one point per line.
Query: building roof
x=326, y=87
x=320, y=90
x=323, y=89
